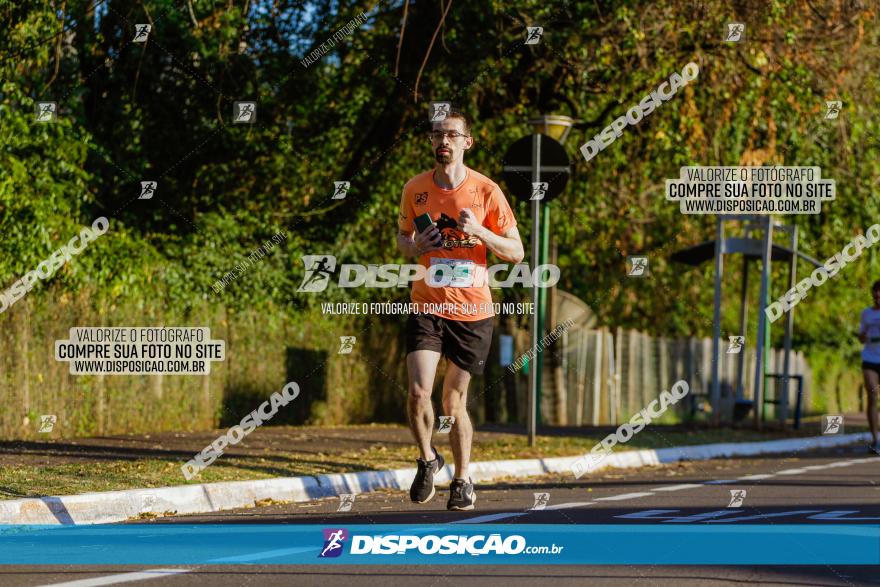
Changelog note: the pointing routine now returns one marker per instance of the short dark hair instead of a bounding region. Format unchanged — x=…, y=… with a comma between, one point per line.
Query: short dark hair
x=876, y=286
x=465, y=119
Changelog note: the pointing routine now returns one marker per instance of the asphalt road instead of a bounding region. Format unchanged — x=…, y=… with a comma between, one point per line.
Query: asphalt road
x=840, y=486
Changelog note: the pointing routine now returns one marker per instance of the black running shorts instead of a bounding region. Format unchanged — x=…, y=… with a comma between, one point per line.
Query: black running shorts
x=464, y=343
x=871, y=366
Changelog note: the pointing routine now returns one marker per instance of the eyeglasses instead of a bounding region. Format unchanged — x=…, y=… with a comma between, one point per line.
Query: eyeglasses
x=437, y=135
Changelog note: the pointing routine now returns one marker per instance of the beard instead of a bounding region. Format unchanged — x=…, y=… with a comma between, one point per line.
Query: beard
x=443, y=158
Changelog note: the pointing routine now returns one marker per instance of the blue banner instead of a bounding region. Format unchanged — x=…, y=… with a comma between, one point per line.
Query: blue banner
x=524, y=544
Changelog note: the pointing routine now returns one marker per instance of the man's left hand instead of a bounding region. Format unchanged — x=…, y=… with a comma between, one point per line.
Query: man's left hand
x=469, y=224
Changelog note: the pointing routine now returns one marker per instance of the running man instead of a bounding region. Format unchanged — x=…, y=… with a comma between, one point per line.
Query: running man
x=869, y=334
x=470, y=215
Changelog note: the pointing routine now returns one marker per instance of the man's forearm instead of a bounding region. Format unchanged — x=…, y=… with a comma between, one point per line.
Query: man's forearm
x=508, y=249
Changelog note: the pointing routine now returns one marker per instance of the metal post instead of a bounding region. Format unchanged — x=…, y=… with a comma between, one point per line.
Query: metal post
x=762, y=322
x=716, y=326
x=534, y=381
x=542, y=314
x=789, y=326
x=743, y=326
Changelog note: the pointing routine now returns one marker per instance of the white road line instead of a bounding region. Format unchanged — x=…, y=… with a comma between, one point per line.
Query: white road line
x=263, y=555
x=625, y=496
x=123, y=578
x=791, y=472
x=679, y=487
x=565, y=506
x=490, y=518
x=754, y=477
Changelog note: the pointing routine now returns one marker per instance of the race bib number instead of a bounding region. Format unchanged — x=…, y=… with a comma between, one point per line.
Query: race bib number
x=461, y=270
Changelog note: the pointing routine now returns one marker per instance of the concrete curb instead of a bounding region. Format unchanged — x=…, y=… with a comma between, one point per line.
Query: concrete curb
x=118, y=506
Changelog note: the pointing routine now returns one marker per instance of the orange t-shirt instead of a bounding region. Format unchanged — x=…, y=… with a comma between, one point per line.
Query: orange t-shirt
x=467, y=296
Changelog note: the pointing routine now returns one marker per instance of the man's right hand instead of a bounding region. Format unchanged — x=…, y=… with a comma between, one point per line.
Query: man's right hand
x=429, y=240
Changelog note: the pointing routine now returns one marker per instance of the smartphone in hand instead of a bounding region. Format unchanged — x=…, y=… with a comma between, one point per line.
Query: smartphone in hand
x=423, y=222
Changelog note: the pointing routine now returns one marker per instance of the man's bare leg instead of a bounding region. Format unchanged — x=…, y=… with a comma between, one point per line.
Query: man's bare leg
x=455, y=385
x=421, y=367
x=872, y=382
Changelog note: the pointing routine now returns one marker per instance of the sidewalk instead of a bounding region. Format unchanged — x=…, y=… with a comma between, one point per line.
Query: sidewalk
x=111, y=463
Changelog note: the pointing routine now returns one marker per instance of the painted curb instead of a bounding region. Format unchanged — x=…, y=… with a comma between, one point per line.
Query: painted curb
x=118, y=506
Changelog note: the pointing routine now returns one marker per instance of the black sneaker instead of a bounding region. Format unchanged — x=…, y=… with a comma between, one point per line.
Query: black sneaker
x=461, y=495
x=422, y=488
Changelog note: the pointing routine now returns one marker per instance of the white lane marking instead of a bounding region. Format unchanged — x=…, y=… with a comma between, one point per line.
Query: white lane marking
x=565, y=506
x=791, y=472
x=489, y=518
x=625, y=496
x=263, y=555
x=679, y=487
x=123, y=578
x=754, y=477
